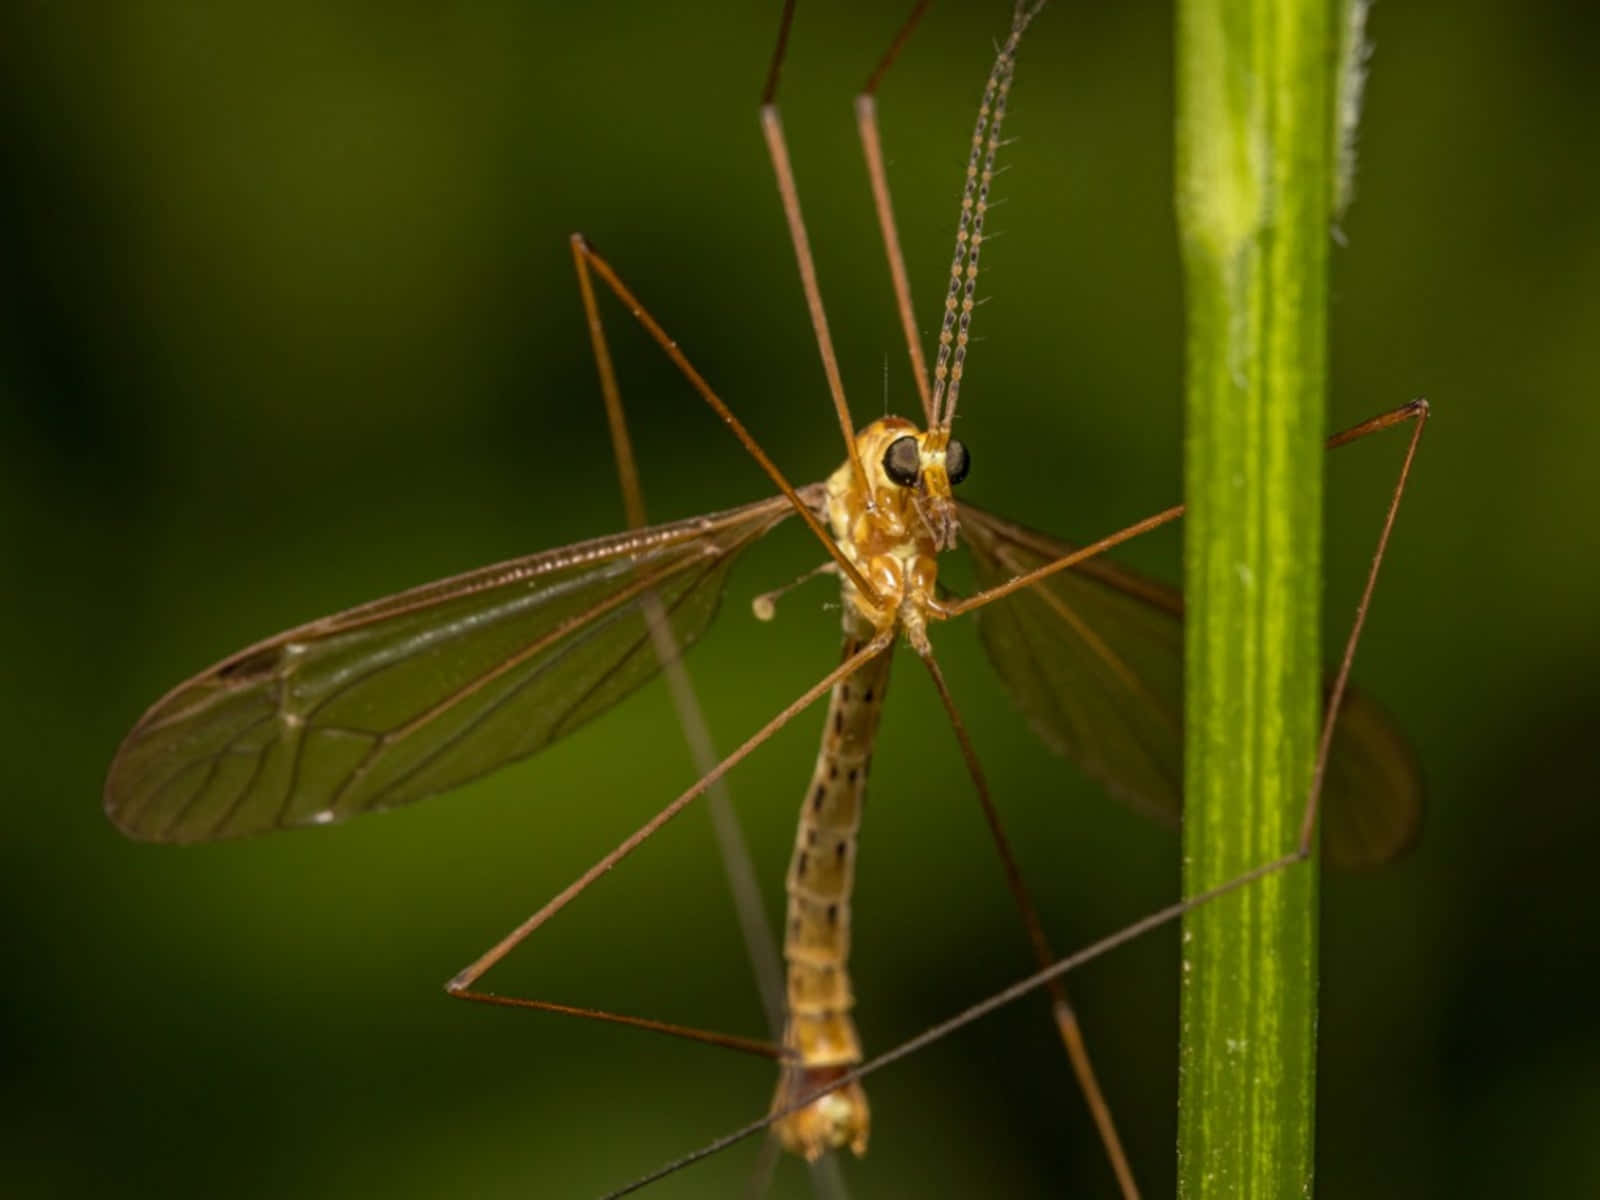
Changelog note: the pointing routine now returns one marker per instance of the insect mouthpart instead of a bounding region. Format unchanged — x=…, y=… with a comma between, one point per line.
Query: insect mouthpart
x=938, y=515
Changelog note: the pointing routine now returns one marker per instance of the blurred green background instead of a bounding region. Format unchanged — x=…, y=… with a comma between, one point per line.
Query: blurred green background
x=290, y=323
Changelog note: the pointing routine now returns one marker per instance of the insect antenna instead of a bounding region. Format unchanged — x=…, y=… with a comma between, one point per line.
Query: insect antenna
x=955, y=325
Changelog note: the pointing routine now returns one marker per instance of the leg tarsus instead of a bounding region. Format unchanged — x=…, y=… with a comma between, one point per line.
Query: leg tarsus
x=709, y=1037
x=1418, y=410
x=1066, y=1019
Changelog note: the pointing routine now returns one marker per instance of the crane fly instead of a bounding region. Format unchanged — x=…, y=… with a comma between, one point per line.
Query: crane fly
x=426, y=690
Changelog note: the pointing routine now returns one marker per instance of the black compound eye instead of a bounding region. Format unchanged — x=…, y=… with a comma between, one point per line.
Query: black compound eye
x=957, y=462
x=902, y=461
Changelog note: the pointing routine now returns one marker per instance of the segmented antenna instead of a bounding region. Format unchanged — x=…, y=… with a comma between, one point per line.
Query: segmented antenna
x=958, y=300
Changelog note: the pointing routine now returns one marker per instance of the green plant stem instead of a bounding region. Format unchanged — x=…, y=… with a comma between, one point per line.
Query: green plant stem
x=1255, y=146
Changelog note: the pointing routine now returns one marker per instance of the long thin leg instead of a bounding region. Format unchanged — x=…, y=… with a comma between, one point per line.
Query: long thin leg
x=1028, y=578
x=735, y=854
x=1417, y=411
x=974, y=1012
x=1066, y=1017
x=612, y=280
x=760, y=946
x=872, y=150
x=778, y=151
x=462, y=985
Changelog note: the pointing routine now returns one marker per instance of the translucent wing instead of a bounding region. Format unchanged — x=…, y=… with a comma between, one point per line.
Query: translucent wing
x=419, y=693
x=1094, y=658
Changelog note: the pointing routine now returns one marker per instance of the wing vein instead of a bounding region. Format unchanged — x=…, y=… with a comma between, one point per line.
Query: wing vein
x=500, y=702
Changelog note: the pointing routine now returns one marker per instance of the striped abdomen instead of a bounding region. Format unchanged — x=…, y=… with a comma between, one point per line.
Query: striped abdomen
x=819, y=1031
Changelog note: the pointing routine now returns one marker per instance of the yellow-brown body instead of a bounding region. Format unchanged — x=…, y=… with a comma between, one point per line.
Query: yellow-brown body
x=892, y=533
